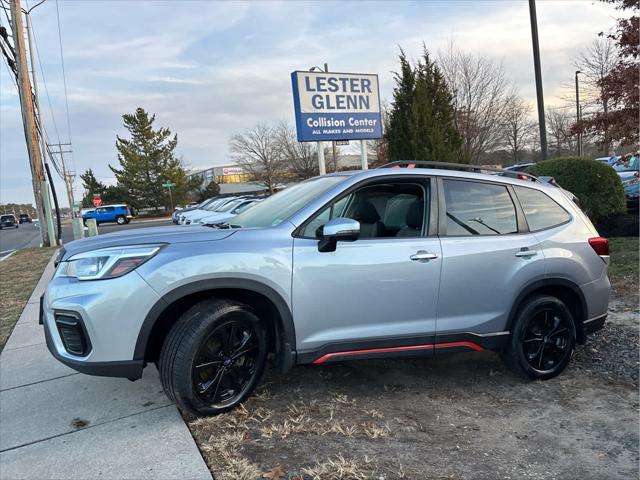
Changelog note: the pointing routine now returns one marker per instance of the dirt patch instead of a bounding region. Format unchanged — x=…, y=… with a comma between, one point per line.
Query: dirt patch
x=19, y=275
x=462, y=416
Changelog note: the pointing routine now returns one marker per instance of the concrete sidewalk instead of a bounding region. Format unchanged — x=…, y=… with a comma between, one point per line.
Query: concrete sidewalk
x=57, y=423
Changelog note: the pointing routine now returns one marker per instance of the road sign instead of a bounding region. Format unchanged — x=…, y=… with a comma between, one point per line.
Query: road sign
x=169, y=185
x=336, y=106
x=97, y=201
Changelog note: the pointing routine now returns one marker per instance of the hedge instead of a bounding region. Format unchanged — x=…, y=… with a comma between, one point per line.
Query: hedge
x=597, y=185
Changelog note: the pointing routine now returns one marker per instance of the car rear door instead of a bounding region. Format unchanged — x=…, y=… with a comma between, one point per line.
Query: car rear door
x=488, y=257
x=376, y=295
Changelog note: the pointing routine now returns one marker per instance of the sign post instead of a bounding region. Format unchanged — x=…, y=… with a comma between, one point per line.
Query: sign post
x=336, y=106
x=169, y=185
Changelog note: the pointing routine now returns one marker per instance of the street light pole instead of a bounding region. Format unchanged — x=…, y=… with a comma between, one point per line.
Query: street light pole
x=578, y=114
x=538, y=71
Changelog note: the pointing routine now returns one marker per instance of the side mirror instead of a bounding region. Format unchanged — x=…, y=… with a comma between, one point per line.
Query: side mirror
x=344, y=229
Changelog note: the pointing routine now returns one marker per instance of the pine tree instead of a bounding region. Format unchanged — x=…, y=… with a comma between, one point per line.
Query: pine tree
x=147, y=161
x=422, y=120
x=398, y=133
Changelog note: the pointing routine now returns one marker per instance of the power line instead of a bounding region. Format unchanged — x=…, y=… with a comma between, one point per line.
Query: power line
x=64, y=80
x=44, y=80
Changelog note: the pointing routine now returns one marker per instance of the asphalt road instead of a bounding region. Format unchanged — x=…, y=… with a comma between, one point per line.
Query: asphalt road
x=28, y=235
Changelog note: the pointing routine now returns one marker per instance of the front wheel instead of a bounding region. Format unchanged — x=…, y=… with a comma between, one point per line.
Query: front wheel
x=542, y=339
x=213, y=357
x=121, y=220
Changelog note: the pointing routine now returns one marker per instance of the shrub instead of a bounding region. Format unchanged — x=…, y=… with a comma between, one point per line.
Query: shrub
x=596, y=184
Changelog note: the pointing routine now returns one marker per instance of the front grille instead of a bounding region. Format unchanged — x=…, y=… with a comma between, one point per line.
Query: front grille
x=72, y=333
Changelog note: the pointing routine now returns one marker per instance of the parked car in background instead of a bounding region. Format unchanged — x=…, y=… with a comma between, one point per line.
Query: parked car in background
x=24, y=218
x=630, y=177
x=120, y=214
x=195, y=215
x=175, y=217
x=225, y=217
x=351, y=265
x=8, y=221
x=519, y=167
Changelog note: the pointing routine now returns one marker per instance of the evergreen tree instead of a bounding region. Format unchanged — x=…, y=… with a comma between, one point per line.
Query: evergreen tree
x=398, y=132
x=422, y=120
x=93, y=186
x=147, y=161
x=211, y=190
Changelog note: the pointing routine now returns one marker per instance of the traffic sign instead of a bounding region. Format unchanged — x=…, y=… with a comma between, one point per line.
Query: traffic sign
x=169, y=185
x=97, y=201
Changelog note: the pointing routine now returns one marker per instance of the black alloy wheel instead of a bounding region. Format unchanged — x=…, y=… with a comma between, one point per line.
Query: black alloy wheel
x=547, y=340
x=543, y=337
x=226, y=363
x=213, y=356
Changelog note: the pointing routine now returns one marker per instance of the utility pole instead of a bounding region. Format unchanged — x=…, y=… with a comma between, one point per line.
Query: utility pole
x=68, y=176
x=578, y=114
x=29, y=124
x=48, y=215
x=538, y=71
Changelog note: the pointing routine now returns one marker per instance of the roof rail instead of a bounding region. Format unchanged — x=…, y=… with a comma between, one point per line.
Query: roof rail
x=465, y=166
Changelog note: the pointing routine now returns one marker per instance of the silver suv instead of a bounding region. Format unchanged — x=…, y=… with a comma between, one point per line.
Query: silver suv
x=353, y=265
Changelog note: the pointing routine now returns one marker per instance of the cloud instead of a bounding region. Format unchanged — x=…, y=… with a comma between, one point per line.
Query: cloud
x=211, y=69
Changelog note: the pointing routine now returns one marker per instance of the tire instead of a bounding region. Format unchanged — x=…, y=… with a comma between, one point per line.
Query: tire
x=198, y=339
x=120, y=220
x=542, y=338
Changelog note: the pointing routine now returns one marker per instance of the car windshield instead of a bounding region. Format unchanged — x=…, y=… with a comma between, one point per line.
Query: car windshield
x=4, y=218
x=633, y=164
x=228, y=206
x=277, y=208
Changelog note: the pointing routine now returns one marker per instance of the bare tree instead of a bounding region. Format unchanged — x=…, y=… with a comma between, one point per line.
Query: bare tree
x=300, y=157
x=596, y=62
x=518, y=127
x=481, y=94
x=559, y=123
x=259, y=152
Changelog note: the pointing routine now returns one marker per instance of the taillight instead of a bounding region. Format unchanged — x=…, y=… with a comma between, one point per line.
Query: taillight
x=600, y=245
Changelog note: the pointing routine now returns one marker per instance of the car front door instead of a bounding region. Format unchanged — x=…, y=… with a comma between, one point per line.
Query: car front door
x=378, y=294
x=488, y=257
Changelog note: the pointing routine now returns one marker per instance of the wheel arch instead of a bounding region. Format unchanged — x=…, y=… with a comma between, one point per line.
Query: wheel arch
x=257, y=295
x=563, y=289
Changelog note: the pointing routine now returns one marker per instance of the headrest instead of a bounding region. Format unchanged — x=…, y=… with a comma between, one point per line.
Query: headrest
x=415, y=214
x=365, y=212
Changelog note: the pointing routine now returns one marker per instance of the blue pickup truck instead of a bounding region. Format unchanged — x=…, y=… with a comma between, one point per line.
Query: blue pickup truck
x=120, y=214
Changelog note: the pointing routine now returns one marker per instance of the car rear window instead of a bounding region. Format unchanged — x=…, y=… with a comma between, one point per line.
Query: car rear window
x=540, y=210
x=475, y=208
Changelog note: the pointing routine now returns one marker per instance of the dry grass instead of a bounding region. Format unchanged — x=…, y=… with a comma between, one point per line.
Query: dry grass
x=227, y=440
x=339, y=468
x=19, y=275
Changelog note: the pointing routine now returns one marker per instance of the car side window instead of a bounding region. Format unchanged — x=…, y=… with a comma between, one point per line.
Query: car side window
x=474, y=208
x=384, y=210
x=540, y=210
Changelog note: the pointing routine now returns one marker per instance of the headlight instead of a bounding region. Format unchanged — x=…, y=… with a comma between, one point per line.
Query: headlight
x=107, y=262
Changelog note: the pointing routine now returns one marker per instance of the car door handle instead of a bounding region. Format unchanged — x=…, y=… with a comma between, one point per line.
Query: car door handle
x=526, y=253
x=422, y=255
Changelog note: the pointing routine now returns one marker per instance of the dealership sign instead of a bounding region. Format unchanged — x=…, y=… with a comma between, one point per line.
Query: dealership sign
x=336, y=106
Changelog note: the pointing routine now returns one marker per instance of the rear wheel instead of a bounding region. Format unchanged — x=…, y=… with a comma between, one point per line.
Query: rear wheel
x=213, y=357
x=542, y=339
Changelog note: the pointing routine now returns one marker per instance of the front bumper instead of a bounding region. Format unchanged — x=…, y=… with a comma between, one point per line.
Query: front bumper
x=111, y=312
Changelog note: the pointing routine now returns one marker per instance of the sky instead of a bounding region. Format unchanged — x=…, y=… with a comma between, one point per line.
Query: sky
x=209, y=70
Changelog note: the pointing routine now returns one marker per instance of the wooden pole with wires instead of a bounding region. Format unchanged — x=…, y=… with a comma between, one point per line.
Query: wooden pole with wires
x=29, y=120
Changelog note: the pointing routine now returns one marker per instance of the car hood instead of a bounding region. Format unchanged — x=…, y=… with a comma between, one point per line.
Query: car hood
x=626, y=174
x=170, y=234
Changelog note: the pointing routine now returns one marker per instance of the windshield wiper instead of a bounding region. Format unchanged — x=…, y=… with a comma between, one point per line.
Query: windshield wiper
x=222, y=225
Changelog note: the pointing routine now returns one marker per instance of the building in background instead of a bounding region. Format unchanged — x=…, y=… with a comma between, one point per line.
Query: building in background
x=232, y=179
